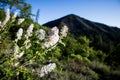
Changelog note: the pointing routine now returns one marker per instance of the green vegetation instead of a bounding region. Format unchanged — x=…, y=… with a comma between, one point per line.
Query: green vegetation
x=21, y=5
x=29, y=51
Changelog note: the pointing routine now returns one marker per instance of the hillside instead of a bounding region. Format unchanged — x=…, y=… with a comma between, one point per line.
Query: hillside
x=98, y=33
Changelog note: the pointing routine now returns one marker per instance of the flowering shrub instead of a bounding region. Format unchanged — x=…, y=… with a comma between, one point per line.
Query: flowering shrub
x=19, y=33
x=29, y=47
x=7, y=18
x=20, y=20
x=40, y=34
x=52, y=38
x=45, y=69
x=64, y=31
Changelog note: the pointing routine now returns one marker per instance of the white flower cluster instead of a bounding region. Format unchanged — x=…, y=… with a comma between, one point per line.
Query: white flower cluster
x=63, y=31
x=47, y=69
x=16, y=52
x=53, y=38
x=19, y=33
x=16, y=64
x=0, y=22
x=19, y=55
x=7, y=18
x=29, y=30
x=20, y=20
x=15, y=15
x=27, y=44
x=40, y=34
x=16, y=48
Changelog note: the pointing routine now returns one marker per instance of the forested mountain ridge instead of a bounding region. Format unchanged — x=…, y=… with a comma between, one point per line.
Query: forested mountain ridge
x=100, y=34
x=80, y=26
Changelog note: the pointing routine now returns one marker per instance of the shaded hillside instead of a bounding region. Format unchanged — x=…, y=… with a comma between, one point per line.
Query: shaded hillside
x=100, y=34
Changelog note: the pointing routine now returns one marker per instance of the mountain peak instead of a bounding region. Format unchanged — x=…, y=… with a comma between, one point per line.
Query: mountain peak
x=71, y=15
x=68, y=20
x=81, y=26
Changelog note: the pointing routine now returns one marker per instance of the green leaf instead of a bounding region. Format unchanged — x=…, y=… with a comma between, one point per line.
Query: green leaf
x=9, y=72
x=31, y=62
x=62, y=43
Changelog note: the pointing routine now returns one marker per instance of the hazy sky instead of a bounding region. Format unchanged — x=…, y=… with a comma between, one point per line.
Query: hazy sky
x=103, y=11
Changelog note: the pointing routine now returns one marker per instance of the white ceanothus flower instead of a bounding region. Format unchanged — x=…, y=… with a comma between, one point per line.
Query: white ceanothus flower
x=16, y=52
x=64, y=31
x=40, y=34
x=53, y=38
x=15, y=15
x=20, y=20
x=29, y=30
x=16, y=64
x=19, y=55
x=16, y=49
x=19, y=33
x=0, y=22
x=27, y=44
x=47, y=69
x=7, y=18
